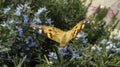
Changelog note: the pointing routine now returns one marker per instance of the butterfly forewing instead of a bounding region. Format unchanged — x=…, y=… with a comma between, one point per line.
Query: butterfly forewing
x=53, y=33
x=73, y=32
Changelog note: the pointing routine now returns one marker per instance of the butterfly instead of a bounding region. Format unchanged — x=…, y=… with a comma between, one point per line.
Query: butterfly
x=58, y=35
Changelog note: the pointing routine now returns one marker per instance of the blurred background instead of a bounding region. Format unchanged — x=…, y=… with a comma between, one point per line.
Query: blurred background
x=113, y=4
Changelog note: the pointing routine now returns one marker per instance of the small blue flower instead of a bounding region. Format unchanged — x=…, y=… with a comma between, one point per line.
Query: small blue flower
x=111, y=46
x=6, y=10
x=117, y=38
x=40, y=10
x=80, y=35
x=96, y=48
x=1, y=47
x=28, y=39
x=99, y=48
x=19, y=10
x=27, y=60
x=20, y=31
x=12, y=21
x=27, y=49
x=25, y=19
x=26, y=5
x=117, y=50
x=36, y=20
x=48, y=21
x=75, y=55
x=4, y=24
x=66, y=3
x=93, y=48
x=19, y=46
x=33, y=44
x=109, y=42
x=22, y=54
x=104, y=41
x=53, y=55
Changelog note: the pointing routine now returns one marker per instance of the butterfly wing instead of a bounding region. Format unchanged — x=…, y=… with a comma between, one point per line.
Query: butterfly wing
x=73, y=32
x=58, y=35
x=53, y=33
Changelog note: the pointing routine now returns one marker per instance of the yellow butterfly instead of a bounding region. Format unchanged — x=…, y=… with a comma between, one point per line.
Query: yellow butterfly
x=58, y=35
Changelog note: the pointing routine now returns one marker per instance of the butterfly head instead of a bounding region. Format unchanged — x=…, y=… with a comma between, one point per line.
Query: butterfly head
x=86, y=21
x=37, y=28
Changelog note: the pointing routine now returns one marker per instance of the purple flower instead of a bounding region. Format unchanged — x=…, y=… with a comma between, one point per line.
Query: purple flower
x=68, y=51
x=36, y=20
x=25, y=19
x=93, y=8
x=111, y=13
x=20, y=31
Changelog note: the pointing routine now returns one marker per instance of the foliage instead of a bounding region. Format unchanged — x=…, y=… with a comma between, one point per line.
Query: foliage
x=22, y=46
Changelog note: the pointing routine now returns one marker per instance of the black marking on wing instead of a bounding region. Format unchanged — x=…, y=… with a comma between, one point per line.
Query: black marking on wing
x=50, y=35
x=75, y=30
x=49, y=30
x=76, y=26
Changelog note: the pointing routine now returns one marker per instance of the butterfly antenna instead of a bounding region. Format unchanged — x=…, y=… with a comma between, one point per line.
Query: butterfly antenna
x=87, y=20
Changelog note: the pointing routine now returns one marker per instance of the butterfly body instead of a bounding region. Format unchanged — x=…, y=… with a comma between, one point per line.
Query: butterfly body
x=58, y=35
